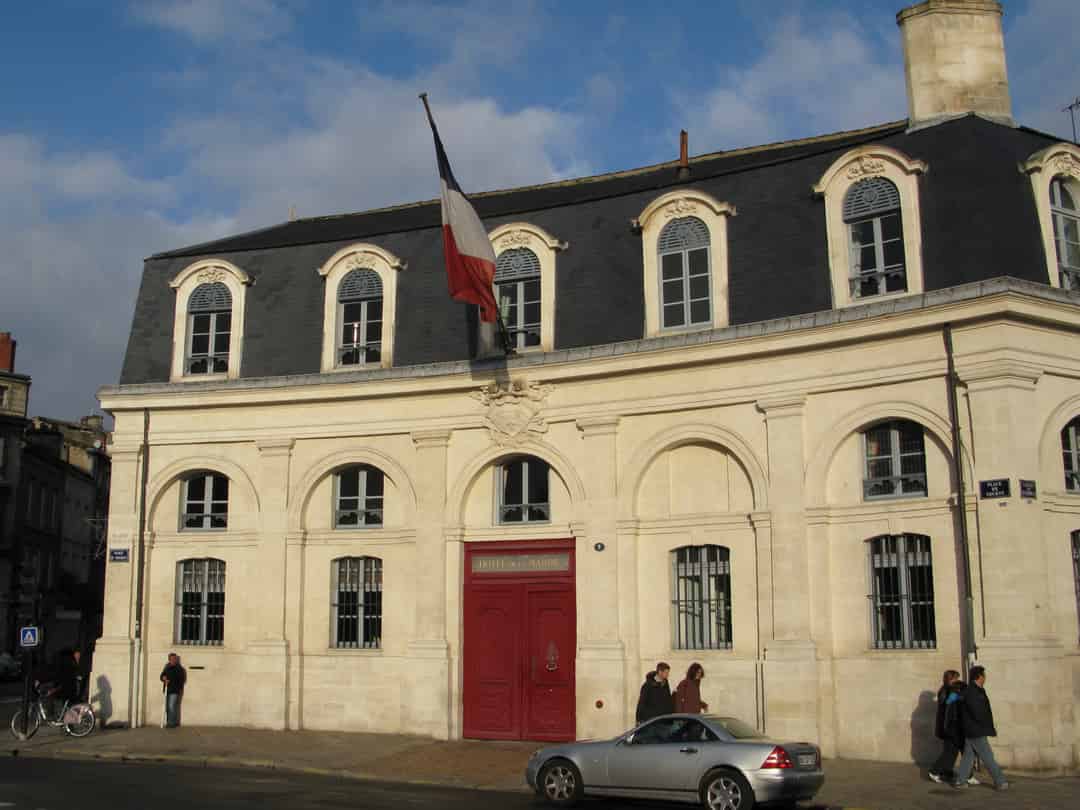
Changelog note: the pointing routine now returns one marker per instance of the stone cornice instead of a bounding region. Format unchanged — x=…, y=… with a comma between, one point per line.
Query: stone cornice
x=993, y=374
x=274, y=447
x=782, y=406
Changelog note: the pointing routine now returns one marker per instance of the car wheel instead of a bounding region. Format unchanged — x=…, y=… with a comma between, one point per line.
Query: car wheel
x=560, y=782
x=726, y=790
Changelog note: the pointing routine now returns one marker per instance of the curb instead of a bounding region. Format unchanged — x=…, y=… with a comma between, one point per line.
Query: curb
x=198, y=760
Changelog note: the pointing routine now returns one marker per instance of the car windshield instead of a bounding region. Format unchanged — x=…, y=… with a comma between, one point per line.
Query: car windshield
x=735, y=727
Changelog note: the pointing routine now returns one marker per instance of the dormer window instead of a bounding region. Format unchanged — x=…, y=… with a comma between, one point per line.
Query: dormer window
x=517, y=281
x=208, y=321
x=872, y=215
x=1066, y=221
x=684, y=274
x=209, y=329
x=872, y=222
x=360, y=309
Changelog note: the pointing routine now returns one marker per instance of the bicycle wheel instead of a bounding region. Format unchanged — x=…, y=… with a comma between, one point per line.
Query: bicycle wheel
x=85, y=722
x=31, y=726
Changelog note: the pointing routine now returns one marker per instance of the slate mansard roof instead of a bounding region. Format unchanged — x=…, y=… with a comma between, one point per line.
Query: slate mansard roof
x=978, y=222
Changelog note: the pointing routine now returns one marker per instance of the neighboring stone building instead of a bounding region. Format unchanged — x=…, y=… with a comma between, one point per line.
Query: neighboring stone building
x=54, y=491
x=14, y=393
x=729, y=435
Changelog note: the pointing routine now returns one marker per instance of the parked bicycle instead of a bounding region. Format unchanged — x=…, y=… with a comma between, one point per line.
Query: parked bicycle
x=77, y=719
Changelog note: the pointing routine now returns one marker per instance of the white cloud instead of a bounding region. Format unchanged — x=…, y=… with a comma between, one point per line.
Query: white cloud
x=212, y=20
x=831, y=76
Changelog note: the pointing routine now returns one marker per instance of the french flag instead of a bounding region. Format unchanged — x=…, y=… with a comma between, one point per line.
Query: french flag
x=470, y=259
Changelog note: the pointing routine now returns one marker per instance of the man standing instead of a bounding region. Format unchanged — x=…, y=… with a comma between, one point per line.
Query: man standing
x=655, y=698
x=173, y=678
x=978, y=726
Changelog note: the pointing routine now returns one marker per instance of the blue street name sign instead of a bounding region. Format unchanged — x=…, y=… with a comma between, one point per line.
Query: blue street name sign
x=994, y=488
x=28, y=636
x=118, y=555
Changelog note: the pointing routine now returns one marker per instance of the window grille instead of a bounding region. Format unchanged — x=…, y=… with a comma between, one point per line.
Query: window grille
x=1076, y=567
x=895, y=461
x=872, y=214
x=902, y=592
x=1070, y=450
x=356, y=603
x=517, y=279
x=360, y=313
x=685, y=295
x=701, y=601
x=523, y=491
x=1066, y=222
x=206, y=502
x=359, y=499
x=209, y=329
x=200, y=603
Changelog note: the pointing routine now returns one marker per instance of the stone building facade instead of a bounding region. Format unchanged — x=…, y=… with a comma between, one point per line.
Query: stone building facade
x=806, y=414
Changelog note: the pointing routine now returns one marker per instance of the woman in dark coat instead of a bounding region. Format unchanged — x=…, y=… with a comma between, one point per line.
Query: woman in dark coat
x=947, y=726
x=688, y=693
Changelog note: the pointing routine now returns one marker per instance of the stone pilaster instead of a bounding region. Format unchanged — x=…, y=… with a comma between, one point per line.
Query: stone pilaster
x=267, y=659
x=428, y=710
x=601, y=654
x=1016, y=640
x=113, y=679
x=791, y=676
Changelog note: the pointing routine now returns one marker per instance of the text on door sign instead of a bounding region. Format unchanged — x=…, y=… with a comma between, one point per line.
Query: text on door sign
x=511, y=563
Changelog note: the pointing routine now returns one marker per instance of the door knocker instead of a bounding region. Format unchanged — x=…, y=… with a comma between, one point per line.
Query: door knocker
x=552, y=657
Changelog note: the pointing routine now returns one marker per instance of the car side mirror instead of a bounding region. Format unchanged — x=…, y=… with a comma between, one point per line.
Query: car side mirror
x=627, y=740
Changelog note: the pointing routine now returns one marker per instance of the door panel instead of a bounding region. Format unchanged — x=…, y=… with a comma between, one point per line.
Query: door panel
x=665, y=755
x=549, y=687
x=492, y=692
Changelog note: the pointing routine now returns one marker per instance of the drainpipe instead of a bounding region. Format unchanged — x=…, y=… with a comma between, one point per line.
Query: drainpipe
x=968, y=647
x=136, y=690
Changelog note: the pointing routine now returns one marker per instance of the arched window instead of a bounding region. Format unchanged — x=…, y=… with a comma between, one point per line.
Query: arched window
x=356, y=603
x=895, y=461
x=872, y=216
x=517, y=281
x=358, y=497
x=1070, y=449
x=1066, y=221
x=209, y=329
x=205, y=502
x=685, y=298
x=523, y=491
x=1076, y=567
x=200, y=602
x=701, y=598
x=902, y=592
x=360, y=310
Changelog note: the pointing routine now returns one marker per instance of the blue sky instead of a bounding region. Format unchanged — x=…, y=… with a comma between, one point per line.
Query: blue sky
x=130, y=128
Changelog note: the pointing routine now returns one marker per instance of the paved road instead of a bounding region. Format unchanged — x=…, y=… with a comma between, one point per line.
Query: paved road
x=40, y=784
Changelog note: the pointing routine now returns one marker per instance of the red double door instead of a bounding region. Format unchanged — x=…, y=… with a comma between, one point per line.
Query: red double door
x=519, y=641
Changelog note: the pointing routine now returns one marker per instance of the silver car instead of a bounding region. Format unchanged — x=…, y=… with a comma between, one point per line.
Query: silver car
x=720, y=762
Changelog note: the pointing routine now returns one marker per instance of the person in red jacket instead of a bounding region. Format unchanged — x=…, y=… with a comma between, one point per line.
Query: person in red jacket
x=688, y=692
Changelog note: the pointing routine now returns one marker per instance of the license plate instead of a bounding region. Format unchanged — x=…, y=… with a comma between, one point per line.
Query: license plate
x=807, y=760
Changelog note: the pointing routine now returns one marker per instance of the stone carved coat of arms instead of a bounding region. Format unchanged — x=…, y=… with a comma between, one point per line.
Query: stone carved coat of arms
x=513, y=410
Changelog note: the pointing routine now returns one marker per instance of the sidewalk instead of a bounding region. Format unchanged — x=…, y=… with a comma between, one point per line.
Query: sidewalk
x=849, y=784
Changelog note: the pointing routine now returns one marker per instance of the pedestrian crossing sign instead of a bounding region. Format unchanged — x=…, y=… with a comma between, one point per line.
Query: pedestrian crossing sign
x=28, y=637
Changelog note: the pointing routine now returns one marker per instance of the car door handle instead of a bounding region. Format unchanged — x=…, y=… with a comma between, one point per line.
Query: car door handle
x=687, y=750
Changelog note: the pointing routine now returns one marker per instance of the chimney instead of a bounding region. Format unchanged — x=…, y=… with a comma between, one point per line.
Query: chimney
x=7, y=352
x=954, y=60
x=683, y=172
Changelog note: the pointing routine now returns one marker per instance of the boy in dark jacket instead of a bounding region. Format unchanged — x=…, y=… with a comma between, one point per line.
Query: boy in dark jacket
x=978, y=724
x=655, y=698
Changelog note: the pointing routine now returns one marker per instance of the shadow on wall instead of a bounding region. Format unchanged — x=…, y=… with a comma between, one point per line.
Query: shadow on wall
x=924, y=745
x=102, y=701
